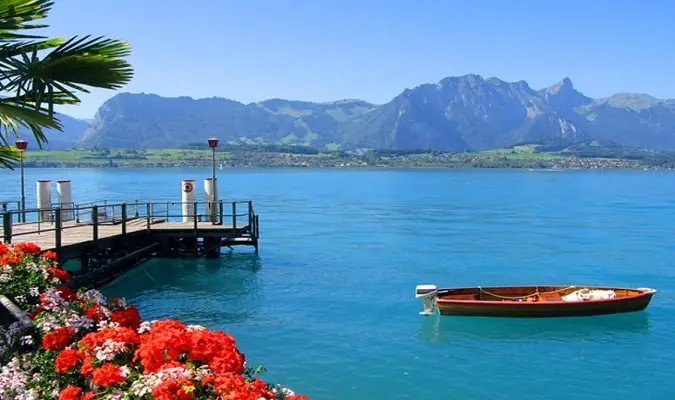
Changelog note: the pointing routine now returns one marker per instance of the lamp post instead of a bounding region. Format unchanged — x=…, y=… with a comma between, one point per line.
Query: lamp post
x=213, y=143
x=21, y=145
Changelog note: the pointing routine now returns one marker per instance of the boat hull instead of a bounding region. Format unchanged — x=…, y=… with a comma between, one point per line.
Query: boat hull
x=539, y=309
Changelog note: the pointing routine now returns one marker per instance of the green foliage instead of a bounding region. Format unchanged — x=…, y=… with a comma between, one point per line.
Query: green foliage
x=270, y=148
x=37, y=73
x=576, y=155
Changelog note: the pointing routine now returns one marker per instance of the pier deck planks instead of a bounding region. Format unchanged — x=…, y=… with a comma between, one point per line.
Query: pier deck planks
x=74, y=234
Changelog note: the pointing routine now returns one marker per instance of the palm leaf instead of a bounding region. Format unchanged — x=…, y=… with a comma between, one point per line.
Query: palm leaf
x=9, y=156
x=14, y=15
x=9, y=50
x=70, y=67
x=89, y=62
x=12, y=116
x=58, y=97
x=28, y=80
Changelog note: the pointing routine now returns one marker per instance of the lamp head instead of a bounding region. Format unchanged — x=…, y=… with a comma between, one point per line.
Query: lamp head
x=21, y=144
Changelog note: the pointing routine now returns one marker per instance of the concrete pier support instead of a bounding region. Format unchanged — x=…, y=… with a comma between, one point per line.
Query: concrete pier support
x=210, y=199
x=44, y=199
x=188, y=200
x=65, y=199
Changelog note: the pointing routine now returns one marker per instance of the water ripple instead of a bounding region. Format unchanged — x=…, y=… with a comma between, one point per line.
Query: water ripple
x=329, y=306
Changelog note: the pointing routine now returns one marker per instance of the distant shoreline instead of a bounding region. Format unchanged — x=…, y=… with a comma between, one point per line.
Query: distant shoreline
x=353, y=167
x=524, y=157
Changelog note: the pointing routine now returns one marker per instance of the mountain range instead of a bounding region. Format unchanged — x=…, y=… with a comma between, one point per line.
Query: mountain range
x=457, y=113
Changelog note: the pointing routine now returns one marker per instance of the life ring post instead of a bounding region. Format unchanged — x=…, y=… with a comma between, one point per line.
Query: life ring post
x=188, y=200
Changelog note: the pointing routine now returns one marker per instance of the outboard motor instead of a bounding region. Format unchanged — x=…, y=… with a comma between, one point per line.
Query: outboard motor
x=428, y=293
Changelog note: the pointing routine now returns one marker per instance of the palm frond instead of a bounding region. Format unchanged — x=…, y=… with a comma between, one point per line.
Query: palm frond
x=58, y=97
x=9, y=156
x=12, y=116
x=32, y=83
x=94, y=62
x=15, y=15
x=68, y=68
x=10, y=37
x=9, y=50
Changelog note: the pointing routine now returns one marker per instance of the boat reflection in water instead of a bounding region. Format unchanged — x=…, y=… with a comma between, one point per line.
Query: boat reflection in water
x=604, y=328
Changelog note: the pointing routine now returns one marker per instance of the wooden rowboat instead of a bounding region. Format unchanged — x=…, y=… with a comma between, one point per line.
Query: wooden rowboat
x=533, y=301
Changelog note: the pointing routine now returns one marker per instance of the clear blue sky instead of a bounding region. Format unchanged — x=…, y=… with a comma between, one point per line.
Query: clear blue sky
x=320, y=50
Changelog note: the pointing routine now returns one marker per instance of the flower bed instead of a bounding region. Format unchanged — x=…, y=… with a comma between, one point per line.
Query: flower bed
x=85, y=346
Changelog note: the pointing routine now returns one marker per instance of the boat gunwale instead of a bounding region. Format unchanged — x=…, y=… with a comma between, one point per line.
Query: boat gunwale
x=645, y=292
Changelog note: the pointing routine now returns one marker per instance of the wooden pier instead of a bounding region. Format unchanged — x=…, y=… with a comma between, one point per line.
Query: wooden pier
x=109, y=238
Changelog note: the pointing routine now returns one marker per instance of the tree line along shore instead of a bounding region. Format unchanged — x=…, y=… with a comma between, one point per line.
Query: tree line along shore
x=298, y=156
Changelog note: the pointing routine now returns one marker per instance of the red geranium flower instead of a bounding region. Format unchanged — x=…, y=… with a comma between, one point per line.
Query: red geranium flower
x=27, y=248
x=87, y=368
x=57, y=339
x=10, y=259
x=166, y=341
x=94, y=312
x=128, y=317
x=172, y=364
x=50, y=255
x=227, y=383
x=59, y=273
x=3, y=249
x=66, y=360
x=70, y=393
x=118, y=334
x=65, y=293
x=174, y=389
x=218, y=350
x=258, y=389
x=108, y=374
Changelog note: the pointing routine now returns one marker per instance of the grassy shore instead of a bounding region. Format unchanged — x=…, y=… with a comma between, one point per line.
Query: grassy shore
x=516, y=157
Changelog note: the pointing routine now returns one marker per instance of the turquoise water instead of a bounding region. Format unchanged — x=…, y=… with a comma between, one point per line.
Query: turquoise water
x=328, y=305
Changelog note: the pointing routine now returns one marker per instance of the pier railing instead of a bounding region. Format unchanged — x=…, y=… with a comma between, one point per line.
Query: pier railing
x=7, y=205
x=109, y=218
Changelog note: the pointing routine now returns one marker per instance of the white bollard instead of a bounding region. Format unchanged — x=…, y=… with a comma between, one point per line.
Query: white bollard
x=65, y=199
x=44, y=199
x=188, y=199
x=209, y=199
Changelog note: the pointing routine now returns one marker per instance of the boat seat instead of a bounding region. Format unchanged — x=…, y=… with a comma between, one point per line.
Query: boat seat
x=550, y=297
x=463, y=297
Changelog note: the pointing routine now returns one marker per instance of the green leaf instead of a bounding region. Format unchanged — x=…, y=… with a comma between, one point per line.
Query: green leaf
x=9, y=156
x=12, y=116
x=90, y=62
x=9, y=50
x=33, y=82
x=58, y=97
x=68, y=68
x=14, y=15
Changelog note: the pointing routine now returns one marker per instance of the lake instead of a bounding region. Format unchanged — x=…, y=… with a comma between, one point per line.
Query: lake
x=328, y=305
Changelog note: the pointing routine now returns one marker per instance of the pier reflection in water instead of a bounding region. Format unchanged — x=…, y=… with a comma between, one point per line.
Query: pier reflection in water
x=219, y=291
x=602, y=328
